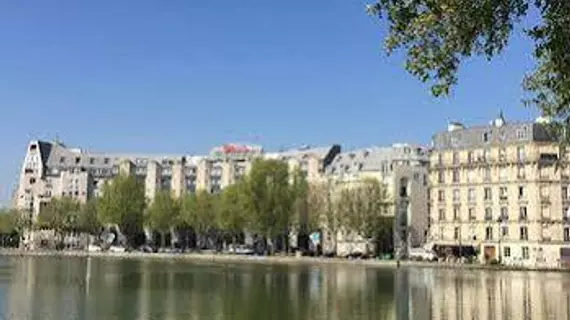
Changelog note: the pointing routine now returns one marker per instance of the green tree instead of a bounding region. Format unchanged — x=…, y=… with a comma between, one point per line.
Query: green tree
x=198, y=213
x=60, y=215
x=6, y=222
x=123, y=203
x=162, y=214
x=372, y=205
x=300, y=214
x=232, y=213
x=269, y=199
x=88, y=219
x=325, y=204
x=439, y=34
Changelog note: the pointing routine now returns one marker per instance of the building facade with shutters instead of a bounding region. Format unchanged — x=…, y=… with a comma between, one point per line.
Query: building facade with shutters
x=500, y=191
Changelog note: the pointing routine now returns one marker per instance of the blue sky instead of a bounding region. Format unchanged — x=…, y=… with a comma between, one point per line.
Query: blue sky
x=182, y=76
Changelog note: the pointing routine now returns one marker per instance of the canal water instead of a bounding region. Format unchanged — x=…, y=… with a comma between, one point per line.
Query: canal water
x=97, y=288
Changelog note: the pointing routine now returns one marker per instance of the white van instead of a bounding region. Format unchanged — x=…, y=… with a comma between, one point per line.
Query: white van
x=422, y=254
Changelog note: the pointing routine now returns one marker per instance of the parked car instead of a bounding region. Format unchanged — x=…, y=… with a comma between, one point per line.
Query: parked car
x=93, y=248
x=116, y=249
x=421, y=254
x=240, y=249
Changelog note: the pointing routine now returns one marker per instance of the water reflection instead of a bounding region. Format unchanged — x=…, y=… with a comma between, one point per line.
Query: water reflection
x=51, y=288
x=462, y=294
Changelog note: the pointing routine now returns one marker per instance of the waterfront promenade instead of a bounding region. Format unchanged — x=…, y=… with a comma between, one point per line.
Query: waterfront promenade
x=277, y=259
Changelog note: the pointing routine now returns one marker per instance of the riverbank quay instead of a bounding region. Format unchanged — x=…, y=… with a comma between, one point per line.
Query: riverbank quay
x=284, y=260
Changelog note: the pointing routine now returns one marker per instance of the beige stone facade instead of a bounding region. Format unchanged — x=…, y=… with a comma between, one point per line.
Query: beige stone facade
x=53, y=170
x=501, y=189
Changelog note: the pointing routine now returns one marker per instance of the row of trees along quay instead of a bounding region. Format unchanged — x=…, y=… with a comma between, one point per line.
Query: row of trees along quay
x=270, y=203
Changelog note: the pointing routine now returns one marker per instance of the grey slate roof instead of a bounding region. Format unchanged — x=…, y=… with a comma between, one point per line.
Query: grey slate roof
x=481, y=136
x=377, y=158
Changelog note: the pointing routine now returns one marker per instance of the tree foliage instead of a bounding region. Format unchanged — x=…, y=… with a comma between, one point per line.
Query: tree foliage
x=364, y=210
x=88, y=220
x=162, y=214
x=439, y=34
x=123, y=203
x=10, y=221
x=60, y=214
x=270, y=198
x=232, y=211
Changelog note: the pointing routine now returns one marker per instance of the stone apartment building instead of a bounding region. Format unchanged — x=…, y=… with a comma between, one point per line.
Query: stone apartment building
x=403, y=168
x=53, y=170
x=500, y=190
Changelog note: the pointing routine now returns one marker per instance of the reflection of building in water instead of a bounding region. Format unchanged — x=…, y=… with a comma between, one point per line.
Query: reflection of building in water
x=21, y=288
x=44, y=290
x=463, y=294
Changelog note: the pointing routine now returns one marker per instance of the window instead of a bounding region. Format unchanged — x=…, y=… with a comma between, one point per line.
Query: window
x=486, y=155
x=507, y=252
x=564, y=193
x=544, y=192
x=504, y=214
x=62, y=160
x=455, y=176
x=441, y=216
x=525, y=254
x=441, y=176
x=566, y=234
x=504, y=231
x=485, y=137
x=521, y=174
x=470, y=176
x=521, y=156
x=488, y=194
x=456, y=196
x=545, y=212
x=106, y=161
x=471, y=194
x=440, y=158
x=456, y=233
x=503, y=193
x=487, y=174
x=543, y=172
x=522, y=213
x=470, y=157
x=456, y=212
x=521, y=133
x=441, y=195
x=91, y=160
x=472, y=216
x=488, y=214
x=489, y=233
x=455, y=158
x=521, y=192
x=524, y=233
x=502, y=154
x=503, y=174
